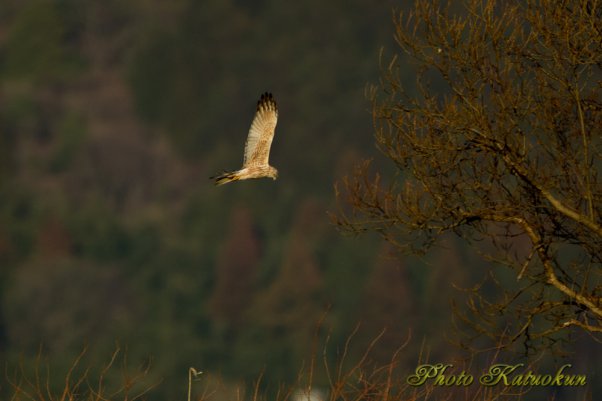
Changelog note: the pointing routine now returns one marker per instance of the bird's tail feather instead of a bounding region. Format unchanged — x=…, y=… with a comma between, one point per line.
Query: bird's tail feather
x=226, y=177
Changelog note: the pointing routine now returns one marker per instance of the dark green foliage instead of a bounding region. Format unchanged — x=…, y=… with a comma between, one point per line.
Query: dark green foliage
x=71, y=134
x=41, y=42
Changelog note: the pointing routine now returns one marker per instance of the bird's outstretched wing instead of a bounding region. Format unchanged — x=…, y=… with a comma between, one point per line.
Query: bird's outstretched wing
x=261, y=133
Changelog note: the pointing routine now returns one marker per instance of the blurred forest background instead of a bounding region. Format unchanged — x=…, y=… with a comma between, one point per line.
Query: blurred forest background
x=112, y=117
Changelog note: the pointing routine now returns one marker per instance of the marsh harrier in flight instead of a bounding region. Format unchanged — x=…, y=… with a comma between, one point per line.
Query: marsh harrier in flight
x=257, y=149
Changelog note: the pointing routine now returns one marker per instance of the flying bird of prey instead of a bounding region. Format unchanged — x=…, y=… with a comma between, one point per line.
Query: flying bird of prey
x=257, y=149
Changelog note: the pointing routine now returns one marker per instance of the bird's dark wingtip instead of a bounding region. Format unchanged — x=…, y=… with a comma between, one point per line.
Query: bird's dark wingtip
x=266, y=98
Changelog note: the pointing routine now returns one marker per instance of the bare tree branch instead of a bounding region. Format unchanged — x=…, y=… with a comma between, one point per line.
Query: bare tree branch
x=499, y=142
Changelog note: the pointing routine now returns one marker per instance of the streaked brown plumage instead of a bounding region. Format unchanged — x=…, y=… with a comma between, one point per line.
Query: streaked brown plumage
x=257, y=149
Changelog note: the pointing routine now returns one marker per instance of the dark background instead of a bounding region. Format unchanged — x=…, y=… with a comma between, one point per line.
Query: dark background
x=112, y=117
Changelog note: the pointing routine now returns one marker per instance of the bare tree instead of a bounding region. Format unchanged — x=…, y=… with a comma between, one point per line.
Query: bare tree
x=500, y=144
